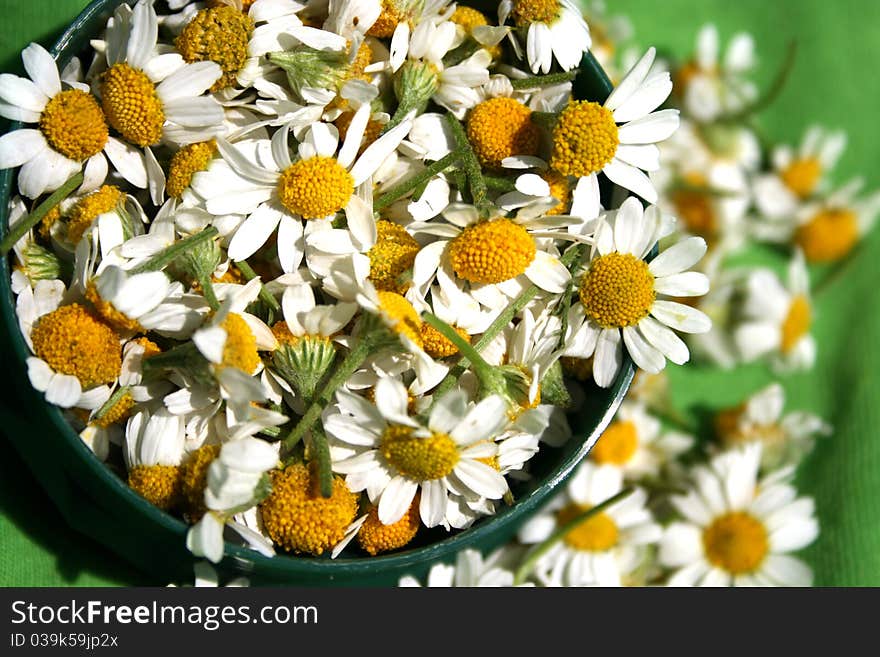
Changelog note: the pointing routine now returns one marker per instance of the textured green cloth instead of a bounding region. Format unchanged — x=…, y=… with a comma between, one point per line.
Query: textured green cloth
x=833, y=83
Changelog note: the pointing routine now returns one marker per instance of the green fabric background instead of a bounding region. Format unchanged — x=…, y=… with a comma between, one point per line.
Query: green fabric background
x=834, y=82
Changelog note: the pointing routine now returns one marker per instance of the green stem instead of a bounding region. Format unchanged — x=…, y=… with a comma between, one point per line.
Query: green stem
x=402, y=189
x=250, y=274
x=544, y=80
x=355, y=357
x=464, y=347
x=208, y=290
x=568, y=259
x=528, y=564
x=499, y=184
x=471, y=165
x=18, y=231
x=320, y=454
x=171, y=253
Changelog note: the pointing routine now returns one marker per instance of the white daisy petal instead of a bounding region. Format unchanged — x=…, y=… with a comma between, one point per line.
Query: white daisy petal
x=643, y=354
x=189, y=82
x=680, y=317
x=22, y=93
x=630, y=178
x=396, y=498
x=42, y=69
x=254, y=232
x=548, y=273
x=20, y=146
x=665, y=340
x=651, y=129
x=481, y=478
x=607, y=358
x=687, y=284
x=679, y=257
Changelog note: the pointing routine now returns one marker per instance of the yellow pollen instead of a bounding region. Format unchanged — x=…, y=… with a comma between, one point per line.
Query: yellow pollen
x=240, y=350
x=185, y=163
x=420, y=459
x=89, y=208
x=796, y=323
x=469, y=18
x=526, y=12
x=403, y=317
x=74, y=125
x=617, y=445
x=694, y=206
x=580, y=368
x=119, y=412
x=374, y=537
x=560, y=189
x=501, y=127
x=492, y=251
x=220, y=35
x=436, y=345
x=245, y=4
x=828, y=236
x=585, y=139
x=597, y=533
x=315, y=188
x=618, y=290
x=282, y=333
x=371, y=133
x=150, y=347
x=49, y=221
x=362, y=58
x=108, y=312
x=157, y=484
x=132, y=105
x=74, y=342
x=194, y=480
x=802, y=176
x=299, y=519
x=387, y=22
x=391, y=256
x=736, y=542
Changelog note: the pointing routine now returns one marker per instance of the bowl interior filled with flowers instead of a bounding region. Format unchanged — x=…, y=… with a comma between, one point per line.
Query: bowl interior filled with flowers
x=326, y=292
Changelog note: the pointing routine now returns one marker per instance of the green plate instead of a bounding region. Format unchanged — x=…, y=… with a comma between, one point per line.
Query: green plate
x=94, y=500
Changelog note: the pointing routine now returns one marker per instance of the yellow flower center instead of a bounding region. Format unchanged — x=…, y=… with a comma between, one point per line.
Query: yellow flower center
x=618, y=290
x=119, y=412
x=401, y=315
x=391, y=256
x=74, y=342
x=560, y=189
x=220, y=35
x=617, y=445
x=420, y=459
x=580, y=368
x=828, y=236
x=132, y=105
x=736, y=542
x=89, y=208
x=694, y=207
x=48, y=222
x=299, y=519
x=374, y=537
x=501, y=127
x=371, y=133
x=315, y=188
x=526, y=12
x=157, y=484
x=185, y=163
x=194, y=480
x=585, y=139
x=491, y=251
x=595, y=534
x=436, y=345
x=74, y=125
x=388, y=20
x=245, y=4
x=802, y=176
x=240, y=350
x=108, y=312
x=469, y=18
x=796, y=323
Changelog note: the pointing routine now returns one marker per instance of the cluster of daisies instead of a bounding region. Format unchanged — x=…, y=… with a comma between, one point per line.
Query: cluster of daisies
x=660, y=501
x=317, y=277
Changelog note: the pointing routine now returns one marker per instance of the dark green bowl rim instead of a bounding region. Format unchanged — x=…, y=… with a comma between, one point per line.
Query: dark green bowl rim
x=592, y=84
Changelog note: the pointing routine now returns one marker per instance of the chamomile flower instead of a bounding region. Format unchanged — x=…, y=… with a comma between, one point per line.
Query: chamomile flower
x=618, y=296
x=711, y=89
x=606, y=549
x=154, y=448
x=470, y=569
x=618, y=138
x=636, y=443
x=501, y=251
x=785, y=439
x=776, y=318
x=385, y=452
x=282, y=193
x=798, y=174
x=72, y=134
x=737, y=530
x=554, y=29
